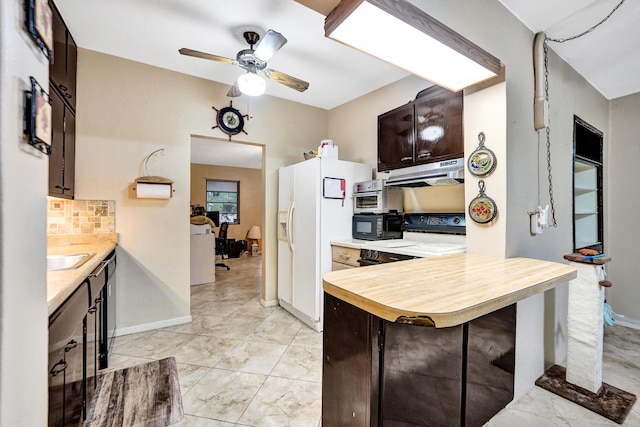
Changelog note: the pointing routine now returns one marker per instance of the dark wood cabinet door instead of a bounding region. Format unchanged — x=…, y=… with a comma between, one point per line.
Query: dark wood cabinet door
x=439, y=132
x=396, y=138
x=58, y=69
x=56, y=159
x=63, y=149
x=62, y=73
x=422, y=375
x=72, y=66
x=69, y=169
x=350, y=374
x=491, y=357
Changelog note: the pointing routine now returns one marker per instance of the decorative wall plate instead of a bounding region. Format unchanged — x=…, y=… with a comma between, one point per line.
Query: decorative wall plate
x=482, y=208
x=481, y=161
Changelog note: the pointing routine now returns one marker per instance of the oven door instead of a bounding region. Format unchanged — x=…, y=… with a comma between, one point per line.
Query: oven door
x=365, y=262
x=370, y=202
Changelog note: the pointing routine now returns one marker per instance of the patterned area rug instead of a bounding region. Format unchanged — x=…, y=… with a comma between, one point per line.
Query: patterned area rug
x=145, y=395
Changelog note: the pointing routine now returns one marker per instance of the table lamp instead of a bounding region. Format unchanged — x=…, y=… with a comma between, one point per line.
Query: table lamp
x=255, y=235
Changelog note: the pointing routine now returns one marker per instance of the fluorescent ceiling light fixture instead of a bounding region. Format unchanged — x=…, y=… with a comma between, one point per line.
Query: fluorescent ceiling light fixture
x=251, y=84
x=401, y=34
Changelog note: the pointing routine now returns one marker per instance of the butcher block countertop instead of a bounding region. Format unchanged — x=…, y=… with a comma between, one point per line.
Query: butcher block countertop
x=62, y=283
x=449, y=290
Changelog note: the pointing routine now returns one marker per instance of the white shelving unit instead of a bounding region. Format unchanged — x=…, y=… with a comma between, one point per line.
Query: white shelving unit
x=585, y=204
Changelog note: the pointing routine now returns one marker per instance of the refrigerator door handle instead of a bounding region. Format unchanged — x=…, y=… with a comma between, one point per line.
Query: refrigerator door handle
x=290, y=222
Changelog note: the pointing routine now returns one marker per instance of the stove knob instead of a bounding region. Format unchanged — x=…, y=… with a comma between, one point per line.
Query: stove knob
x=374, y=254
x=456, y=220
x=368, y=253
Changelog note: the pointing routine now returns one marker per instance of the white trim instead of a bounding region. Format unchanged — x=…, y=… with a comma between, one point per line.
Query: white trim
x=270, y=303
x=316, y=325
x=153, y=325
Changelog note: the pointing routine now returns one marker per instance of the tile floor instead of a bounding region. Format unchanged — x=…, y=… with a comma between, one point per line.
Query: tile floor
x=241, y=364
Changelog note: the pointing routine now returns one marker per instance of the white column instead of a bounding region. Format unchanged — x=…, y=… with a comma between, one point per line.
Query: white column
x=585, y=327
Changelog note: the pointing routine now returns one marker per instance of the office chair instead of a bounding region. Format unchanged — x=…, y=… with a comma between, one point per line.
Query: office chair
x=222, y=245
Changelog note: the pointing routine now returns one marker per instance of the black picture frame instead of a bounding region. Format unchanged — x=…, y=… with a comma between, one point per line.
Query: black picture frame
x=37, y=117
x=39, y=22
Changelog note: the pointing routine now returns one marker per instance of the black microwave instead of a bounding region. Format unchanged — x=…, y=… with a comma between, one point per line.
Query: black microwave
x=376, y=226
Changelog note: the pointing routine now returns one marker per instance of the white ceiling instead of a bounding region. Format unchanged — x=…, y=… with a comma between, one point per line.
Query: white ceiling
x=608, y=57
x=152, y=31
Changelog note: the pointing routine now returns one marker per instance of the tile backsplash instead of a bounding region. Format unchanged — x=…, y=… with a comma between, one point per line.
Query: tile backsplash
x=80, y=216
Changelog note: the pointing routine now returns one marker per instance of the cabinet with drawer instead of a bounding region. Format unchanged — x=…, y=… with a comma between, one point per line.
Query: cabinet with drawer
x=343, y=257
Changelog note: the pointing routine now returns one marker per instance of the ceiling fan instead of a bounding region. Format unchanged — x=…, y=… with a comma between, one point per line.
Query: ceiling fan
x=253, y=60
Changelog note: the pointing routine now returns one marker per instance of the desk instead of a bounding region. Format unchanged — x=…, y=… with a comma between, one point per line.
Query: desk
x=203, y=256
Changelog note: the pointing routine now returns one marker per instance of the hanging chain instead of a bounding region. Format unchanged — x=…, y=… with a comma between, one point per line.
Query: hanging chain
x=546, y=97
x=548, y=131
x=590, y=29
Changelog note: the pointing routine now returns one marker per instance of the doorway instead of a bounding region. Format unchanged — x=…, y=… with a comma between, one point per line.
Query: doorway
x=240, y=162
x=587, y=187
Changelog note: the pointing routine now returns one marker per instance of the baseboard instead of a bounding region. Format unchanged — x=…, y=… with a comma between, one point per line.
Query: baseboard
x=270, y=303
x=632, y=323
x=153, y=325
x=312, y=323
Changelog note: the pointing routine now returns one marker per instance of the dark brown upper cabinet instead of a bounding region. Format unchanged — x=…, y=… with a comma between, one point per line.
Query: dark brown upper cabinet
x=63, y=148
x=62, y=89
x=62, y=72
x=428, y=129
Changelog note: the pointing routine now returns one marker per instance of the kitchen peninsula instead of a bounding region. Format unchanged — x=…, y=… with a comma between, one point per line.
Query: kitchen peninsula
x=428, y=341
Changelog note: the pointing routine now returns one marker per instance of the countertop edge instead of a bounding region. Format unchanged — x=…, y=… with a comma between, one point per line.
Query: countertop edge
x=443, y=319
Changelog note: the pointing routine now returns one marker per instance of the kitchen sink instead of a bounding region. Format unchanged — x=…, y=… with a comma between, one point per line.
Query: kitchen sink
x=67, y=262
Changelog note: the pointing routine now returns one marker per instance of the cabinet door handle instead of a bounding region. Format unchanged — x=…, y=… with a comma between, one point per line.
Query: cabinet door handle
x=92, y=309
x=65, y=188
x=406, y=159
x=423, y=155
x=345, y=256
x=68, y=95
x=70, y=346
x=98, y=301
x=59, y=367
x=62, y=87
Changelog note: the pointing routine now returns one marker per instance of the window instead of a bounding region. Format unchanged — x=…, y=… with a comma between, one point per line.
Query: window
x=223, y=196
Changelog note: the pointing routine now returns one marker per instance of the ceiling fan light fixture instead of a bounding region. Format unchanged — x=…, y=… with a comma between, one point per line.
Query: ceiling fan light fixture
x=251, y=84
x=412, y=40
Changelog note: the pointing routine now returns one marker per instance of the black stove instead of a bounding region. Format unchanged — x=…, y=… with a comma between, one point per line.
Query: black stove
x=383, y=251
x=435, y=223
x=375, y=257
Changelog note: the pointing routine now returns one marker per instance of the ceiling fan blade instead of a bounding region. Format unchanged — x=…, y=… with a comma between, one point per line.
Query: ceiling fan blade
x=287, y=80
x=197, y=54
x=270, y=44
x=234, y=90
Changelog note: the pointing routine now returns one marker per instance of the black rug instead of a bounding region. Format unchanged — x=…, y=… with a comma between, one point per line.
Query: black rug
x=145, y=395
x=610, y=402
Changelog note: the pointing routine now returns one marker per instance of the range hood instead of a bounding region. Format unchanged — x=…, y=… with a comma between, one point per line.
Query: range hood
x=446, y=172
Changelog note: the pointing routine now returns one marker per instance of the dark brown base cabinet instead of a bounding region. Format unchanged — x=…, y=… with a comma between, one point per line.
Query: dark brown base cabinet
x=66, y=352
x=80, y=334
x=380, y=373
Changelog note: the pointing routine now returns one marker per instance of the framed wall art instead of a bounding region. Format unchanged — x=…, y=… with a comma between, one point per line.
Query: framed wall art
x=37, y=117
x=39, y=17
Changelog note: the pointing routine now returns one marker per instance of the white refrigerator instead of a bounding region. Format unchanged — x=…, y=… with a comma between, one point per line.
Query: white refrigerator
x=315, y=206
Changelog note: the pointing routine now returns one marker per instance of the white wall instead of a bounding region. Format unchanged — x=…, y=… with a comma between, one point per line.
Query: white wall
x=23, y=191
x=126, y=111
x=622, y=204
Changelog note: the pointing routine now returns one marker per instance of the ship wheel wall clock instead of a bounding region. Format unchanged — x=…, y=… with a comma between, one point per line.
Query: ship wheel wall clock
x=230, y=120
